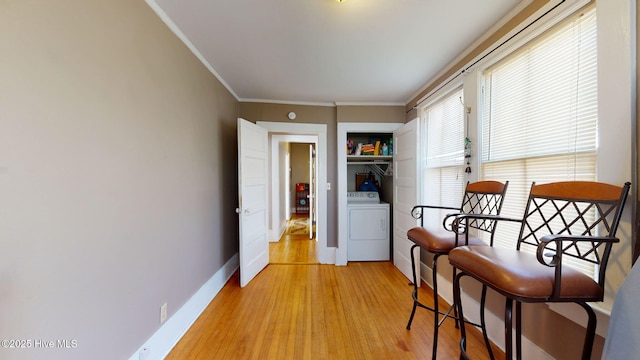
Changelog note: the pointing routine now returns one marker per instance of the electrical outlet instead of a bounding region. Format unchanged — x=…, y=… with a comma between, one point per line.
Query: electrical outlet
x=163, y=313
x=143, y=354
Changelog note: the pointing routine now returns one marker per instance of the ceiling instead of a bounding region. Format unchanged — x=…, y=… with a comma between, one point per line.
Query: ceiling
x=327, y=52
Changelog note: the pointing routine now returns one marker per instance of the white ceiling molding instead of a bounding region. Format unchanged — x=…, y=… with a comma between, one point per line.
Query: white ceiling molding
x=284, y=102
x=176, y=30
x=368, y=104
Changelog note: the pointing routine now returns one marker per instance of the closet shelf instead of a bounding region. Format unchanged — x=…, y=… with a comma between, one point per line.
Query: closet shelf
x=369, y=158
x=381, y=168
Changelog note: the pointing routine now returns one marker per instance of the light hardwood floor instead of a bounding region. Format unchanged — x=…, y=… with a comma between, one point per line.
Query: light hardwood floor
x=357, y=311
x=293, y=249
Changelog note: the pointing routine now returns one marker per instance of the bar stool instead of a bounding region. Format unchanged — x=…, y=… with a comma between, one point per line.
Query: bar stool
x=574, y=220
x=483, y=197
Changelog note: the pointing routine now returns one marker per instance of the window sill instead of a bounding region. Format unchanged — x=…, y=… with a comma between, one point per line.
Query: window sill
x=577, y=314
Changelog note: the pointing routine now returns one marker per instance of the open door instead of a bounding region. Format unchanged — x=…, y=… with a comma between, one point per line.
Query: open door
x=252, y=197
x=312, y=189
x=405, y=182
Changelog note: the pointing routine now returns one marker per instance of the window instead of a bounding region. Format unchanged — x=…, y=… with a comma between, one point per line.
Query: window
x=443, y=154
x=540, y=115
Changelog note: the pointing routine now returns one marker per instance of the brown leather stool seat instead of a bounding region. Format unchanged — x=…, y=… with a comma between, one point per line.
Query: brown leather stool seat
x=437, y=242
x=521, y=275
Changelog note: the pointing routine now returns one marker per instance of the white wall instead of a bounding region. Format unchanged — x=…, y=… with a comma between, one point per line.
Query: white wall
x=616, y=116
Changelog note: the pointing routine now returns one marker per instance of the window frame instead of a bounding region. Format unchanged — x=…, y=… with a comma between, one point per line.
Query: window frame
x=455, y=188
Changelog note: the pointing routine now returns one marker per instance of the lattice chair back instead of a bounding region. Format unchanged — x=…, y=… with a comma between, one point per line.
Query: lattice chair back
x=573, y=209
x=483, y=197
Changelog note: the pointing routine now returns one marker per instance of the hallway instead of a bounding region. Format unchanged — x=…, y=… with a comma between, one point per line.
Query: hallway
x=295, y=246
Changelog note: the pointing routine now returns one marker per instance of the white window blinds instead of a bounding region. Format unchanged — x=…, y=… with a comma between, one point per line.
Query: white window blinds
x=443, y=155
x=540, y=115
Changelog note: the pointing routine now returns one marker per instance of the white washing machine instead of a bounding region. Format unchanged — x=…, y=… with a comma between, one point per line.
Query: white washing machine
x=368, y=227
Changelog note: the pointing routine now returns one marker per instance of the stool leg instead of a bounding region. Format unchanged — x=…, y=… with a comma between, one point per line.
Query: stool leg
x=508, y=326
x=455, y=308
x=483, y=325
x=518, y=330
x=457, y=300
x=436, y=311
x=591, y=331
x=416, y=285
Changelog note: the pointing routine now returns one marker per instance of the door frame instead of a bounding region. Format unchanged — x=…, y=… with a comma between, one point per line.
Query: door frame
x=278, y=224
x=343, y=129
x=326, y=255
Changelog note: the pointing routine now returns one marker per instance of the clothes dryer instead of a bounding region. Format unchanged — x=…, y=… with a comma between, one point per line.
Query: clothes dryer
x=368, y=227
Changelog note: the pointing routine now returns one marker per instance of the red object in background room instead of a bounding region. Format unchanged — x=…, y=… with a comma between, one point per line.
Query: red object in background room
x=300, y=187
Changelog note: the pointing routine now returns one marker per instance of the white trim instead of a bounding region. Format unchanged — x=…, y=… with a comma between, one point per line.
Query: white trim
x=176, y=30
x=288, y=102
x=616, y=101
x=167, y=336
x=320, y=130
x=369, y=104
x=311, y=103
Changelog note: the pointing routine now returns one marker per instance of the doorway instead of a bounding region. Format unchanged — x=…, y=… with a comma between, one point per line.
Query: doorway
x=297, y=243
x=294, y=246
x=280, y=134
x=296, y=175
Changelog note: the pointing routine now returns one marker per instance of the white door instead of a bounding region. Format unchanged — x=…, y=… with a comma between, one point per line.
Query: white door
x=312, y=189
x=405, y=181
x=252, y=207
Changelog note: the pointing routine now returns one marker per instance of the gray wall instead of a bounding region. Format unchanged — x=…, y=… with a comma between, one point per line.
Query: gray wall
x=117, y=175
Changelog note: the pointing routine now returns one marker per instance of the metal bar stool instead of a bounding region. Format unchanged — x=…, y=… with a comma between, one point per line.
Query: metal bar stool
x=483, y=197
x=563, y=220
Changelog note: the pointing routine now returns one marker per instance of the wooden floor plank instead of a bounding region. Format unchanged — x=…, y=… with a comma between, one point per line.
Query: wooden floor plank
x=294, y=249
x=310, y=312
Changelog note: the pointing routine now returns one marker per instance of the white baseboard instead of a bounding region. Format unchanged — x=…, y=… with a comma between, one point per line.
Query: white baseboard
x=273, y=236
x=327, y=256
x=340, y=256
x=159, y=345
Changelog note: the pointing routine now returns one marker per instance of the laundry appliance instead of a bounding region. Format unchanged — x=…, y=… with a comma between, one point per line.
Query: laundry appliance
x=369, y=229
